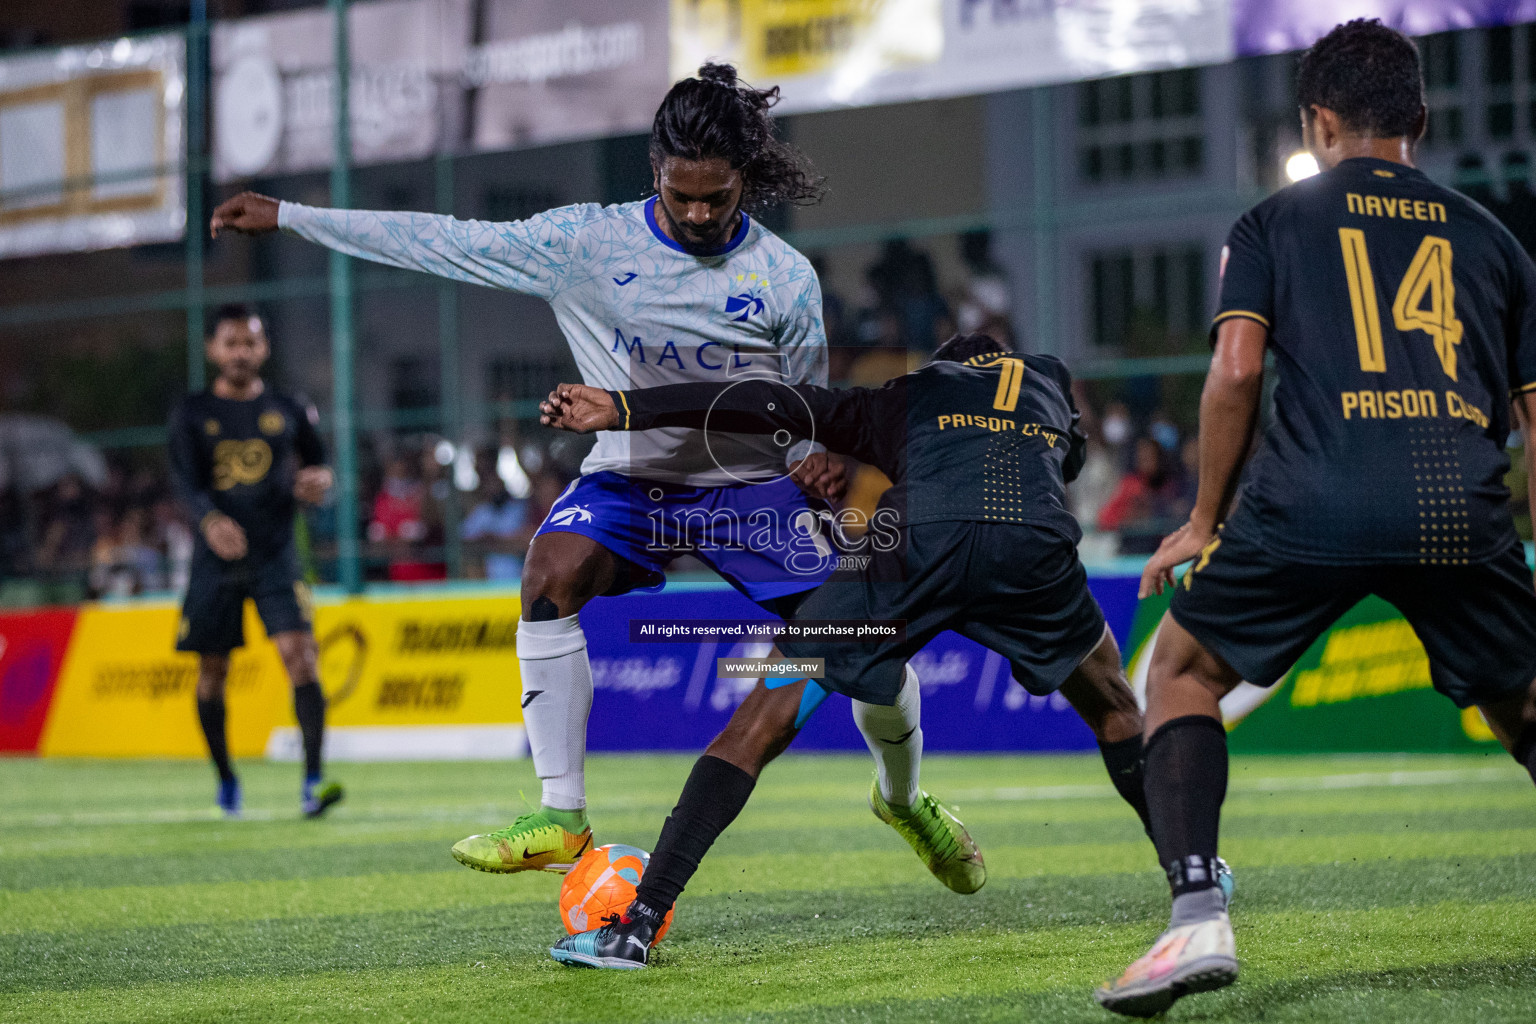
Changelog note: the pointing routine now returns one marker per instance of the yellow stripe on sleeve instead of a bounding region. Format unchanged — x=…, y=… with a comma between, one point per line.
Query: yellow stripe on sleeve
x=625, y=403
x=1240, y=312
x=1525, y=389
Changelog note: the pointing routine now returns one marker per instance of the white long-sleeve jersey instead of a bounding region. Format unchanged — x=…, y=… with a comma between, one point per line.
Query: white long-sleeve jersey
x=636, y=309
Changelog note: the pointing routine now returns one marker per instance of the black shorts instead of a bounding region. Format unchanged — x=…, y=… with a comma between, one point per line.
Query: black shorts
x=1019, y=590
x=1259, y=613
x=213, y=614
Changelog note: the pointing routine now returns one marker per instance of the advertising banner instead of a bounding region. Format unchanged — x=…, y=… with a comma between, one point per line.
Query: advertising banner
x=1363, y=686
x=123, y=690
x=835, y=53
x=91, y=141
x=32, y=646
x=577, y=69
x=666, y=696
x=436, y=676
x=1278, y=26
x=417, y=678
x=426, y=677
x=274, y=75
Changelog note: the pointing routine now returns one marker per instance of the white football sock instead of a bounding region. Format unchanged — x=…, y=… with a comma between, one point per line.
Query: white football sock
x=557, y=697
x=895, y=736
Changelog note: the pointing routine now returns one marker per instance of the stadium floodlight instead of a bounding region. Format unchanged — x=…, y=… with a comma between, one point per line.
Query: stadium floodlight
x=1300, y=164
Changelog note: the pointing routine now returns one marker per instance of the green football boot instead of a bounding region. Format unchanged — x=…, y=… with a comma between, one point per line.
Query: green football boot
x=531, y=843
x=939, y=839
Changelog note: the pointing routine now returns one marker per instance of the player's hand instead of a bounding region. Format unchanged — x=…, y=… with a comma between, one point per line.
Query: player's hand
x=1177, y=548
x=224, y=536
x=579, y=409
x=821, y=476
x=311, y=483
x=249, y=213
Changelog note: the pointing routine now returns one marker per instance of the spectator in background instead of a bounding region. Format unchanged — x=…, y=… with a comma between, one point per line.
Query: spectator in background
x=1164, y=431
x=173, y=540
x=1117, y=428
x=907, y=288
x=397, y=523
x=984, y=303
x=1147, y=496
x=1099, y=478
x=123, y=562
x=68, y=535
x=499, y=522
x=1189, y=478
x=436, y=483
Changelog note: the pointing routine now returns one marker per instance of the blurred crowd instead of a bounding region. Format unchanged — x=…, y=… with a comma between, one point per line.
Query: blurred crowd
x=129, y=535
x=124, y=537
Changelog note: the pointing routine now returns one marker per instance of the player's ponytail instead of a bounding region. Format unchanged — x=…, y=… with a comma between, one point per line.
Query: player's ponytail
x=716, y=116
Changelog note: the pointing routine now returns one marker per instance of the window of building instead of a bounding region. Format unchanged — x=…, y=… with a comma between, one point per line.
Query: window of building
x=412, y=383
x=1140, y=127
x=1442, y=80
x=527, y=378
x=1506, y=69
x=1148, y=300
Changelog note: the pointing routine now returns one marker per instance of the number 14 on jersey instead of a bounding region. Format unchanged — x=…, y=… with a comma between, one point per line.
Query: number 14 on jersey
x=1428, y=277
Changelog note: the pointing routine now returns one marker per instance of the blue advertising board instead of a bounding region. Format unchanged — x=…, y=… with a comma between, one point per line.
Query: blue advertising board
x=666, y=696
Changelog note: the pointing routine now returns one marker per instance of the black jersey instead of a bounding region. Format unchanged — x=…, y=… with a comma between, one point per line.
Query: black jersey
x=992, y=440
x=1402, y=317
x=239, y=458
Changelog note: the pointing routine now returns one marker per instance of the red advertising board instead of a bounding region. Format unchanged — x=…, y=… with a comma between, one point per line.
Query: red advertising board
x=32, y=646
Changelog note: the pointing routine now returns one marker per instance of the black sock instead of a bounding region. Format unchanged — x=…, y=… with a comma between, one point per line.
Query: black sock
x=309, y=709
x=1525, y=749
x=715, y=793
x=1186, y=781
x=210, y=713
x=1123, y=762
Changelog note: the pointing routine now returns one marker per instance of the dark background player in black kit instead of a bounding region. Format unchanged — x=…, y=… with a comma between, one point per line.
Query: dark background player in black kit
x=1402, y=319
x=242, y=457
x=979, y=443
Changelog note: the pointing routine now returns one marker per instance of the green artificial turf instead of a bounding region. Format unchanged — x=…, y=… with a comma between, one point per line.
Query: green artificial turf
x=1392, y=889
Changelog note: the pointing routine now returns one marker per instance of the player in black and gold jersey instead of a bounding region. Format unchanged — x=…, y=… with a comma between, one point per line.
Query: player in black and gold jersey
x=242, y=457
x=1402, y=320
x=973, y=536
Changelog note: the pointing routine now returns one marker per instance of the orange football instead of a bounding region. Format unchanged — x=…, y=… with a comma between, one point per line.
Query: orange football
x=602, y=883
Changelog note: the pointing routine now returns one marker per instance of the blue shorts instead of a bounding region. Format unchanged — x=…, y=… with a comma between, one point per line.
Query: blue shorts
x=766, y=540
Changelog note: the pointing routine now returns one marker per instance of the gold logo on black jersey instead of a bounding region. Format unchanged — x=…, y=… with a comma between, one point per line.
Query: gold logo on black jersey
x=272, y=423
x=240, y=462
x=211, y=428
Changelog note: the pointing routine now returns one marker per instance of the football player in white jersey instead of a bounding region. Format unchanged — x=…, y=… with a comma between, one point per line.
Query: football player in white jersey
x=684, y=286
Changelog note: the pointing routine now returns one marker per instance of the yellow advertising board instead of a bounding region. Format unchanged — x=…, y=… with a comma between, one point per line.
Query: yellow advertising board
x=417, y=677
x=124, y=691
x=773, y=40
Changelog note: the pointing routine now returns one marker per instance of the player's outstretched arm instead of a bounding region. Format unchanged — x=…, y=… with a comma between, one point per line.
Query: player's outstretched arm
x=529, y=256
x=1229, y=411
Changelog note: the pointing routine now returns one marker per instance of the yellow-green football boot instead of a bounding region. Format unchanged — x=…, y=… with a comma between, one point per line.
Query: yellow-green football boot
x=531, y=843
x=938, y=837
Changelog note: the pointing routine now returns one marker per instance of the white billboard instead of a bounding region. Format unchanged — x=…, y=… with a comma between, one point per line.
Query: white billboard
x=91, y=144
x=837, y=53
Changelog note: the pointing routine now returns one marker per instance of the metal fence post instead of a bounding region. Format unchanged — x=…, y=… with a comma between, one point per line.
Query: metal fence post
x=343, y=398
x=1042, y=117
x=194, y=169
x=448, y=374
